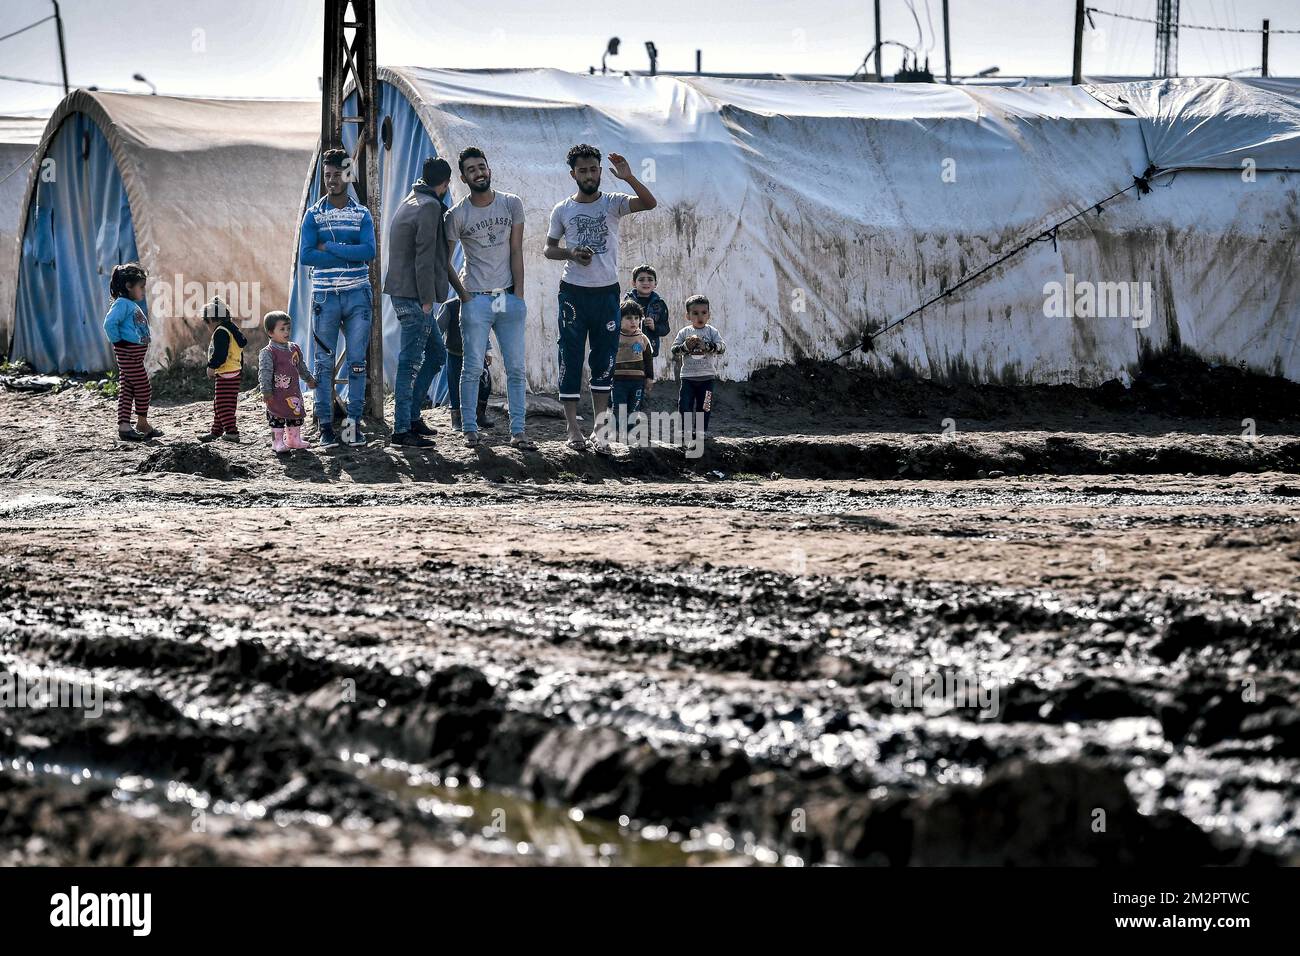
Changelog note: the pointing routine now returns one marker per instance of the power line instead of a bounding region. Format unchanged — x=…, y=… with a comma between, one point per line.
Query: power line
x=102, y=89
x=26, y=28
x=1188, y=26
x=21, y=165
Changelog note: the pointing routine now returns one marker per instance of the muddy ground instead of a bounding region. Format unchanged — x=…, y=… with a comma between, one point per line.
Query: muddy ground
x=486, y=656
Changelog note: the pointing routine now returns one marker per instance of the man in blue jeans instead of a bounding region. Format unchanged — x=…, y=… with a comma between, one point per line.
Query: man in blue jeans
x=489, y=225
x=338, y=242
x=419, y=266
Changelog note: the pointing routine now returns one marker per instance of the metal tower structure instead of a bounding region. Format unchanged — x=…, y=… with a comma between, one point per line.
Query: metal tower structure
x=1166, y=38
x=350, y=59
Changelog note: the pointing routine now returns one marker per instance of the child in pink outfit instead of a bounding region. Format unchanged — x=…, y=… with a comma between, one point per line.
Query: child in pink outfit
x=279, y=367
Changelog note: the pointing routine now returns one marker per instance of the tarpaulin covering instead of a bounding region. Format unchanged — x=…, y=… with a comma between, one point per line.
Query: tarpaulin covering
x=202, y=192
x=1210, y=124
x=808, y=211
x=19, y=137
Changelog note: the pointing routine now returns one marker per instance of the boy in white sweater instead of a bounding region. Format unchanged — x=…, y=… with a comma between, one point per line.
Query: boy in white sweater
x=698, y=346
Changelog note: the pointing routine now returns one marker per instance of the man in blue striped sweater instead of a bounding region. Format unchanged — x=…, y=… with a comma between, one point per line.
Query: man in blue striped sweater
x=338, y=242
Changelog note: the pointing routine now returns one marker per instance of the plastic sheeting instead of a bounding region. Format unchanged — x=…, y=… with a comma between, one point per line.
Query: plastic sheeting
x=203, y=193
x=19, y=137
x=807, y=211
x=78, y=227
x=1210, y=124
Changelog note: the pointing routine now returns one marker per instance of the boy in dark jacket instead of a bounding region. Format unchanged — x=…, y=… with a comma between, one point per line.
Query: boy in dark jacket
x=225, y=368
x=655, y=324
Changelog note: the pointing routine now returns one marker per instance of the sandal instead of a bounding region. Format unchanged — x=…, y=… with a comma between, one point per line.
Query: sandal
x=577, y=444
x=151, y=433
x=522, y=442
x=129, y=434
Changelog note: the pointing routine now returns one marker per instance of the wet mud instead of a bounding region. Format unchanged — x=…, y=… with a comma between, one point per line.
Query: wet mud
x=386, y=657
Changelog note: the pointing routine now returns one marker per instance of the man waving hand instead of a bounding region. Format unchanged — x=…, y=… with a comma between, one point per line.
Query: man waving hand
x=588, y=222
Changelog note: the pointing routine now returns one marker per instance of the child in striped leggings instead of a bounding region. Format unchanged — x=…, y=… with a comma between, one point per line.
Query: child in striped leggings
x=225, y=368
x=127, y=328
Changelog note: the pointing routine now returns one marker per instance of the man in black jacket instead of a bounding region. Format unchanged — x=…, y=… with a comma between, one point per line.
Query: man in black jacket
x=419, y=269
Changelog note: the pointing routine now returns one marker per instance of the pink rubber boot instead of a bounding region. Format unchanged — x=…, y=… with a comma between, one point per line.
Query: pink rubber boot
x=294, y=438
x=277, y=441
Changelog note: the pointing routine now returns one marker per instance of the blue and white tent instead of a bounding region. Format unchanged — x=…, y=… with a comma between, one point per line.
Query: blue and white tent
x=201, y=192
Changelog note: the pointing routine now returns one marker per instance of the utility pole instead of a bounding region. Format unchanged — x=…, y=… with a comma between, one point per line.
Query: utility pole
x=880, y=74
x=1263, y=70
x=354, y=61
x=947, y=47
x=1166, y=38
x=63, y=56
x=1079, y=10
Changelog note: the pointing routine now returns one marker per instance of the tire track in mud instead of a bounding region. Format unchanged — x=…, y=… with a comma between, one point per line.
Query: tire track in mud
x=742, y=698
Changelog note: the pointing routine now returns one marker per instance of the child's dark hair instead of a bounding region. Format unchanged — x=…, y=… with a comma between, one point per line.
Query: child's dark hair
x=583, y=151
x=272, y=319
x=696, y=300
x=630, y=308
x=216, y=310
x=337, y=158
x=469, y=152
x=636, y=273
x=123, y=277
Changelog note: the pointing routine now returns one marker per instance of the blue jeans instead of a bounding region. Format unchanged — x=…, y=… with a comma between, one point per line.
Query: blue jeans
x=351, y=310
x=506, y=314
x=626, y=399
x=429, y=370
x=421, y=349
x=696, y=395
x=454, y=365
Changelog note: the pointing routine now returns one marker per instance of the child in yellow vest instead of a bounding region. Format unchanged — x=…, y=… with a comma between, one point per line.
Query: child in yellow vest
x=225, y=367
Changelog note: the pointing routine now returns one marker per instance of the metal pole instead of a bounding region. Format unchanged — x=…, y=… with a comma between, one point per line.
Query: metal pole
x=1263, y=70
x=340, y=62
x=369, y=81
x=697, y=58
x=880, y=74
x=63, y=56
x=1077, y=76
x=947, y=47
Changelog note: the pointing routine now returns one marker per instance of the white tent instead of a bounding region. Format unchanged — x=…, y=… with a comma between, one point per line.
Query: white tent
x=19, y=137
x=807, y=211
x=202, y=192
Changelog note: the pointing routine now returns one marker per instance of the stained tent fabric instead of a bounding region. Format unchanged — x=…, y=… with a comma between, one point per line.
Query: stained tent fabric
x=19, y=137
x=809, y=211
x=202, y=192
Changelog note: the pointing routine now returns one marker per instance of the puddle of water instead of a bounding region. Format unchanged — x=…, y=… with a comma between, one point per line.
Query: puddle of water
x=503, y=823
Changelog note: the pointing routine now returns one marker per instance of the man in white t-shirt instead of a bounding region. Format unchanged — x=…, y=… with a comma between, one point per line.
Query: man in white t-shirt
x=489, y=225
x=588, y=222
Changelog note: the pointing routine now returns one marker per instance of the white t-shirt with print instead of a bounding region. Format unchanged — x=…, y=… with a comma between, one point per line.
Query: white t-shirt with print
x=595, y=225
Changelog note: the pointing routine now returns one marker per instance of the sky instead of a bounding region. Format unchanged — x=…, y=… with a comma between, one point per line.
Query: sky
x=261, y=48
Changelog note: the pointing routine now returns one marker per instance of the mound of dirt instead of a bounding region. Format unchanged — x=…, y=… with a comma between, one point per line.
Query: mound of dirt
x=1175, y=383
x=191, y=458
x=1182, y=384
